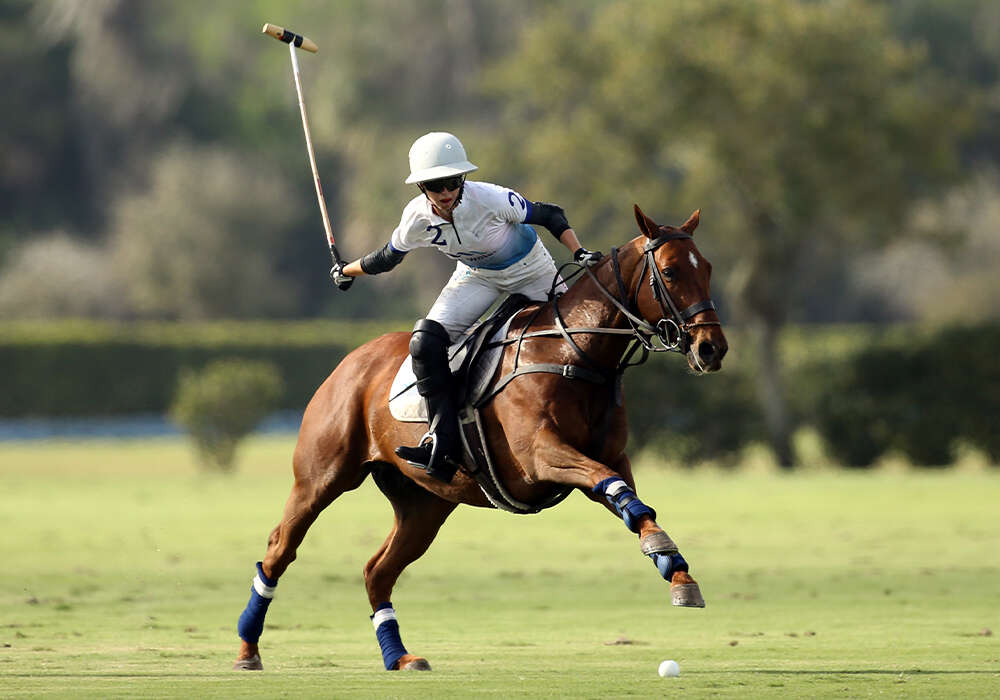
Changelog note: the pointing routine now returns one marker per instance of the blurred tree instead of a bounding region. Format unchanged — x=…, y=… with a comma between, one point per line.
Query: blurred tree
x=794, y=125
x=126, y=84
x=142, y=76
x=962, y=40
x=138, y=77
x=99, y=89
x=951, y=271
x=41, y=183
x=58, y=275
x=946, y=267
x=203, y=240
x=948, y=270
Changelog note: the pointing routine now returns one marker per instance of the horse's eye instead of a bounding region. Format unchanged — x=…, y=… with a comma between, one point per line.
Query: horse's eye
x=668, y=274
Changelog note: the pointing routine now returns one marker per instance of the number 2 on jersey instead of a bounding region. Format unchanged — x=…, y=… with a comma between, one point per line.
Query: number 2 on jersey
x=438, y=235
x=516, y=200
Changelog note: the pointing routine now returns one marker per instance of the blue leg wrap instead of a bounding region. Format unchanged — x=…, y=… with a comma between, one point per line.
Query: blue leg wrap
x=623, y=498
x=387, y=633
x=668, y=564
x=251, y=622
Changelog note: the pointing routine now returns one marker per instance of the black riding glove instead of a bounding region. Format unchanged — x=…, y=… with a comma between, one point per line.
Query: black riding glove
x=587, y=257
x=342, y=281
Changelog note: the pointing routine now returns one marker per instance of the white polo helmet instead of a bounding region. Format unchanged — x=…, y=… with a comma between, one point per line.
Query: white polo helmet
x=436, y=155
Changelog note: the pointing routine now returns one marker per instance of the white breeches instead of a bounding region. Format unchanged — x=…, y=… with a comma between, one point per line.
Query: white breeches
x=471, y=291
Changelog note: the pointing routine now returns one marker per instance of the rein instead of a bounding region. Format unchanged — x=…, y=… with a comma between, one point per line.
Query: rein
x=672, y=330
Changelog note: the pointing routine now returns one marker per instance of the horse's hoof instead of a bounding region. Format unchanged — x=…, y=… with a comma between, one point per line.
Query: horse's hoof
x=684, y=591
x=409, y=662
x=249, y=664
x=657, y=543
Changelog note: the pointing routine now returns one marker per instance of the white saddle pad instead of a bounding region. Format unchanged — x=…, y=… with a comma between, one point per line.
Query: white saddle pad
x=406, y=405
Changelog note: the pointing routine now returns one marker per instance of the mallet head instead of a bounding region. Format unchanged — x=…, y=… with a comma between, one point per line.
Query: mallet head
x=290, y=37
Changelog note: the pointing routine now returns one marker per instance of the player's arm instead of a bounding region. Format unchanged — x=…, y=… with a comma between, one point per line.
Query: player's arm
x=552, y=217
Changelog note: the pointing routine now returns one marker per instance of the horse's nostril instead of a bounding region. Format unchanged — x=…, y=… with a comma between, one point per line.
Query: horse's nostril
x=706, y=351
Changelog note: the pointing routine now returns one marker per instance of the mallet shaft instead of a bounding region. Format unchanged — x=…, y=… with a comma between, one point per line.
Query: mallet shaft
x=312, y=155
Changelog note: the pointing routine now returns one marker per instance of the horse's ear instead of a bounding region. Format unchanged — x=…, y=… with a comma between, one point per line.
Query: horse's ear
x=692, y=223
x=648, y=227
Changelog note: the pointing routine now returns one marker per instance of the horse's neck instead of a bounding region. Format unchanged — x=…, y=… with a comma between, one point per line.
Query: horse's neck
x=585, y=306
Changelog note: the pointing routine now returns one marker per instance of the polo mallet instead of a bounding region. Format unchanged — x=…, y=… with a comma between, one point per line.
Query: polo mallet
x=298, y=41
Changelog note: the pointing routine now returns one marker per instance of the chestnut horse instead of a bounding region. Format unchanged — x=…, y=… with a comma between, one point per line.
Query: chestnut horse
x=651, y=294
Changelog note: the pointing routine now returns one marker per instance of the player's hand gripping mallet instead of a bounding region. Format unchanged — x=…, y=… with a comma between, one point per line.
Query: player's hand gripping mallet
x=297, y=40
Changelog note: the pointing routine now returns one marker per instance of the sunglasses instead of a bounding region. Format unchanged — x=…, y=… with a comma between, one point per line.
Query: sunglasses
x=445, y=183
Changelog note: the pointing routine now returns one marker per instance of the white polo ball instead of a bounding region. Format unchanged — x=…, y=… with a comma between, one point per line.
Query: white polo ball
x=669, y=669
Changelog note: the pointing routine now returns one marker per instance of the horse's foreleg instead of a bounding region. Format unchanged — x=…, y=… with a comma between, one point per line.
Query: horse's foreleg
x=418, y=517
x=615, y=488
x=653, y=541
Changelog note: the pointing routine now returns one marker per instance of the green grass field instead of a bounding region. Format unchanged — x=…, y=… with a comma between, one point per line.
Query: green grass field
x=125, y=569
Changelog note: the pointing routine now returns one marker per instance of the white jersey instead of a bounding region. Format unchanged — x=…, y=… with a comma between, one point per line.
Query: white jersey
x=488, y=230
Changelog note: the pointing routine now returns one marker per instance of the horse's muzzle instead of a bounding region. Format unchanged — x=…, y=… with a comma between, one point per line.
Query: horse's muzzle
x=706, y=355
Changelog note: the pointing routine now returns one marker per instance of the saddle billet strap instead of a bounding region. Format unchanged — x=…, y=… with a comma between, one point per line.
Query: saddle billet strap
x=568, y=371
x=489, y=481
x=556, y=333
x=475, y=445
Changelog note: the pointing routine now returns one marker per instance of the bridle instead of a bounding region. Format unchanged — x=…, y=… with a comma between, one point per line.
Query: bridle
x=671, y=333
x=673, y=330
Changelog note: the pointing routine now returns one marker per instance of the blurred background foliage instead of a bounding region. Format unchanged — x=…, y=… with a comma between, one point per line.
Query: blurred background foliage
x=844, y=154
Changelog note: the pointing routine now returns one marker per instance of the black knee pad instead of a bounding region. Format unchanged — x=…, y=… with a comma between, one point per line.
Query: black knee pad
x=429, y=350
x=429, y=341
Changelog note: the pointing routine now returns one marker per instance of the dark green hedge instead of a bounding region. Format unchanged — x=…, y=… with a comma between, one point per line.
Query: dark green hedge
x=91, y=369
x=866, y=390
x=692, y=417
x=917, y=394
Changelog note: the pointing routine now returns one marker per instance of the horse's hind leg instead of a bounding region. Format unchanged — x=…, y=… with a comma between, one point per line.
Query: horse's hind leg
x=307, y=500
x=418, y=515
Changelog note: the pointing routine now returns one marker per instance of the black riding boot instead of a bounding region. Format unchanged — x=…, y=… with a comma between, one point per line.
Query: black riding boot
x=440, y=450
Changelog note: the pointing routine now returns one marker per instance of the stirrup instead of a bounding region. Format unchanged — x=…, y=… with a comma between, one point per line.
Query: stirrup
x=427, y=447
x=426, y=456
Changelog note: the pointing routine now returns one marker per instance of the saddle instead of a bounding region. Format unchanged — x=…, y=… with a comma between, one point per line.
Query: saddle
x=474, y=361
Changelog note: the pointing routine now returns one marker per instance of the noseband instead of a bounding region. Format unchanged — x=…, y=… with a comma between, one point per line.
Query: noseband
x=673, y=330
